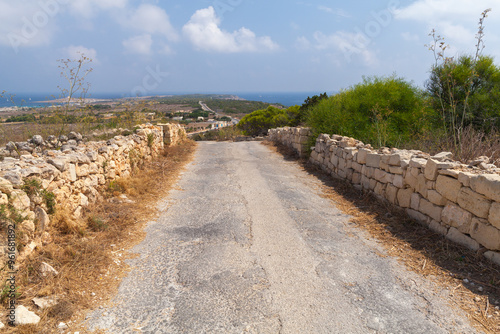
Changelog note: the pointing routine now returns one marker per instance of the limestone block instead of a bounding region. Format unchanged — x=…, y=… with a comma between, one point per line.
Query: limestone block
x=365, y=182
x=415, y=171
x=356, y=178
x=19, y=200
x=342, y=164
x=380, y=175
x=457, y=217
x=449, y=172
x=431, y=169
x=373, y=160
x=28, y=226
x=438, y=228
x=357, y=167
x=493, y=257
x=417, y=216
x=398, y=181
x=464, y=178
x=373, y=184
x=72, y=172
x=448, y=187
x=84, y=200
x=391, y=193
x=5, y=186
x=430, y=209
x=494, y=216
x=384, y=166
x=82, y=170
x=418, y=163
x=396, y=170
x=415, y=201
x=434, y=197
x=487, y=185
x=362, y=155
x=422, y=185
x=485, y=234
x=474, y=202
x=411, y=180
x=404, y=197
x=455, y=236
x=59, y=163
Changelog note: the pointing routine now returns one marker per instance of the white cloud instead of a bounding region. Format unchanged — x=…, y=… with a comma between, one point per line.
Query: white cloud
x=455, y=20
x=351, y=45
x=75, y=52
x=302, y=43
x=408, y=36
x=25, y=23
x=336, y=11
x=139, y=44
x=152, y=20
x=89, y=8
x=204, y=33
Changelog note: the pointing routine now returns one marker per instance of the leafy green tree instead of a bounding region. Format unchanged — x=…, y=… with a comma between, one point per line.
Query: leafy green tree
x=386, y=111
x=259, y=122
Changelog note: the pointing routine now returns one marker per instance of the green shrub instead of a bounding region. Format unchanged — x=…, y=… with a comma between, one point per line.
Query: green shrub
x=381, y=111
x=259, y=122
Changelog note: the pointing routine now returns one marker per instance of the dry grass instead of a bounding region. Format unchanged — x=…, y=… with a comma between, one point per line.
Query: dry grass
x=89, y=253
x=420, y=249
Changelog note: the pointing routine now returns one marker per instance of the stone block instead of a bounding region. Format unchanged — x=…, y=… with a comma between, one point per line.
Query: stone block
x=356, y=178
x=5, y=186
x=415, y=201
x=418, y=163
x=460, y=238
x=362, y=155
x=464, y=178
x=457, y=217
x=396, y=170
x=419, y=217
x=430, y=209
x=72, y=172
x=434, y=197
x=404, y=197
x=474, y=202
x=487, y=185
x=431, y=169
x=448, y=187
x=398, y=181
x=494, y=216
x=438, y=228
x=19, y=200
x=391, y=193
x=411, y=180
x=422, y=185
x=373, y=160
x=493, y=257
x=485, y=234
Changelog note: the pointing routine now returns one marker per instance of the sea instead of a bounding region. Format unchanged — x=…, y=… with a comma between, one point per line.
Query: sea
x=35, y=100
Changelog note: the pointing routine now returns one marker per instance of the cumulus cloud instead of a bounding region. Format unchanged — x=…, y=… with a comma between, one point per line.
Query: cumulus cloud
x=25, y=23
x=349, y=44
x=205, y=34
x=456, y=20
x=152, y=20
x=336, y=11
x=75, y=52
x=139, y=44
x=89, y=8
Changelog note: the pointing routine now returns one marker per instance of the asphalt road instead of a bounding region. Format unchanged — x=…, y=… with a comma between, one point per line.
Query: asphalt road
x=247, y=245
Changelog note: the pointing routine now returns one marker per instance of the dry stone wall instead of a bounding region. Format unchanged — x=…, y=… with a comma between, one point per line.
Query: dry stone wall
x=173, y=133
x=73, y=174
x=461, y=202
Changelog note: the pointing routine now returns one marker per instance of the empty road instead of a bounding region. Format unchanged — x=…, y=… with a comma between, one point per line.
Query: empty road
x=246, y=244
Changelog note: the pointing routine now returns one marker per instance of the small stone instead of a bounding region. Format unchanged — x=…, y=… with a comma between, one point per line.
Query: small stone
x=466, y=281
x=44, y=302
x=480, y=289
x=477, y=299
x=2, y=325
x=25, y=316
x=46, y=270
x=37, y=140
x=62, y=325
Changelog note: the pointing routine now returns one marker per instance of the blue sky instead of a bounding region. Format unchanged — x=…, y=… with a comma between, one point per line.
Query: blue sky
x=209, y=46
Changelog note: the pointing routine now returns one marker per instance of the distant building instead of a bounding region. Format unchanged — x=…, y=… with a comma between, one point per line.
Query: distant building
x=179, y=118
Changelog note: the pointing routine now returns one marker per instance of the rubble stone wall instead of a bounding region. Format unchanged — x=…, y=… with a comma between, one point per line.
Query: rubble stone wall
x=461, y=202
x=74, y=174
x=173, y=133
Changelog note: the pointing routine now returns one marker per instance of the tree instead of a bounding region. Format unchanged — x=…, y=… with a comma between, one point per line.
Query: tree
x=259, y=122
x=465, y=90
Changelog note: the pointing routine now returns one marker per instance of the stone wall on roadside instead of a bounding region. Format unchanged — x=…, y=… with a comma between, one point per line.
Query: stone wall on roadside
x=461, y=202
x=74, y=173
x=173, y=133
